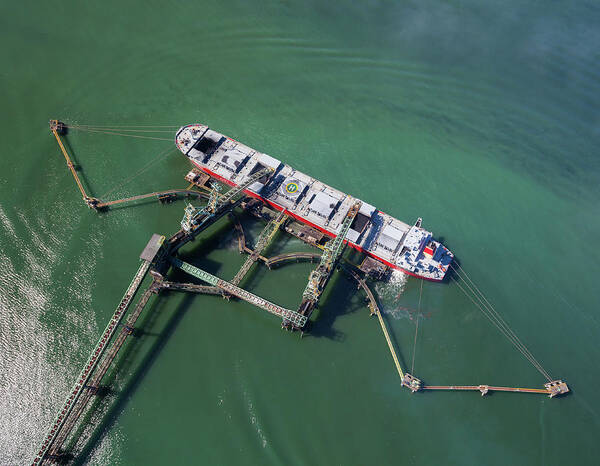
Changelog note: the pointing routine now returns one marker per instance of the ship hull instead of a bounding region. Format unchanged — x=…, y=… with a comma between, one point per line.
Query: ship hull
x=398, y=245
x=313, y=225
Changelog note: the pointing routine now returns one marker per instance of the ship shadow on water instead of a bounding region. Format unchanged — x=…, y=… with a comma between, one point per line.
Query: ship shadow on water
x=341, y=298
x=336, y=303
x=111, y=401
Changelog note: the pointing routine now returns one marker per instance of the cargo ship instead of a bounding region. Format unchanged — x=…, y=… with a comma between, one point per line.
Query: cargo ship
x=401, y=246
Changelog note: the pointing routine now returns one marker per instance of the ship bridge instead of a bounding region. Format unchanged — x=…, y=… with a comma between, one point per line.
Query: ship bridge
x=310, y=201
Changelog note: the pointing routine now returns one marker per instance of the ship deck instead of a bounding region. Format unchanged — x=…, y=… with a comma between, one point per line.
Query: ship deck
x=383, y=237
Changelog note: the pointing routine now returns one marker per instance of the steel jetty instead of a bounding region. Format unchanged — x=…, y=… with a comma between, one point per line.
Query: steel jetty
x=318, y=210
x=401, y=246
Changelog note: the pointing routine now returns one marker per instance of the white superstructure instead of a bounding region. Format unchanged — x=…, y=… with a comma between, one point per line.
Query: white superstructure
x=393, y=242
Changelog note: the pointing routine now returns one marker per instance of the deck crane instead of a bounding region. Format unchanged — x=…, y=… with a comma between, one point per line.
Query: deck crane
x=194, y=217
x=319, y=277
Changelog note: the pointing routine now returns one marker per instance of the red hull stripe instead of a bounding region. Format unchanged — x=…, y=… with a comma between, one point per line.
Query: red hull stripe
x=303, y=220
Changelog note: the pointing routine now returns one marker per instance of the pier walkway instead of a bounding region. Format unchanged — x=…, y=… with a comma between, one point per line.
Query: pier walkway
x=276, y=260
x=265, y=238
x=60, y=423
x=93, y=385
x=95, y=367
x=484, y=389
x=58, y=127
x=182, y=237
x=240, y=232
x=552, y=389
x=191, y=287
x=286, y=314
x=157, y=194
x=373, y=306
x=157, y=259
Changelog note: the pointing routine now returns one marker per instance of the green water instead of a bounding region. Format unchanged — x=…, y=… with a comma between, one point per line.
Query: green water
x=481, y=117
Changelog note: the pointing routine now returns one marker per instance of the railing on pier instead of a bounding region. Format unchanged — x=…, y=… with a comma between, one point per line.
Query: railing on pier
x=191, y=287
x=276, y=260
x=182, y=237
x=297, y=319
x=94, y=383
x=266, y=236
x=157, y=194
x=484, y=389
x=390, y=344
x=58, y=127
x=552, y=389
x=92, y=362
x=240, y=232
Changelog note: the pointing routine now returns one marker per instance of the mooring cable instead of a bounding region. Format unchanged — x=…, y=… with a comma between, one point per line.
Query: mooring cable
x=161, y=156
x=506, y=331
x=100, y=128
x=120, y=134
x=127, y=126
x=412, y=368
x=503, y=328
x=498, y=317
x=498, y=326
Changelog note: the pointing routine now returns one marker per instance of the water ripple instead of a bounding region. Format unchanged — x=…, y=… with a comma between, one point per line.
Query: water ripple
x=45, y=331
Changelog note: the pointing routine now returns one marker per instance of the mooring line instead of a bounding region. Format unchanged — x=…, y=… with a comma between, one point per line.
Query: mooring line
x=126, y=126
x=161, y=156
x=121, y=134
x=90, y=128
x=499, y=318
x=505, y=332
x=503, y=328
